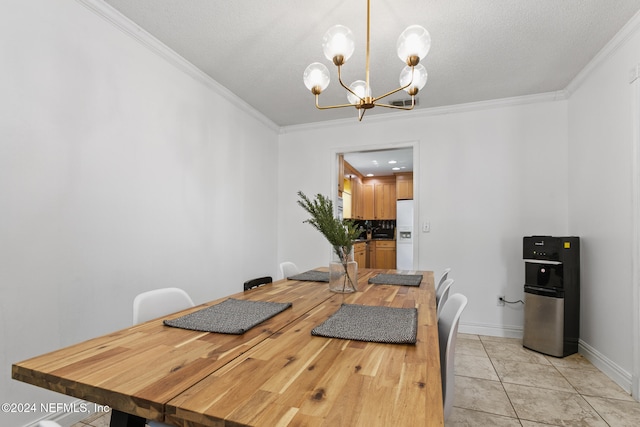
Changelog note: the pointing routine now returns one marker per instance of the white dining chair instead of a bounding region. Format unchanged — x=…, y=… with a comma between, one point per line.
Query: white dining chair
x=288, y=269
x=442, y=294
x=156, y=303
x=447, y=334
x=443, y=278
x=159, y=302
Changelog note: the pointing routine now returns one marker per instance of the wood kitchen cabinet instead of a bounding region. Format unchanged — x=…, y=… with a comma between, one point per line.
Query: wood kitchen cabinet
x=368, y=208
x=385, y=200
x=382, y=254
x=404, y=186
x=358, y=198
x=360, y=254
x=385, y=254
x=379, y=196
x=353, y=193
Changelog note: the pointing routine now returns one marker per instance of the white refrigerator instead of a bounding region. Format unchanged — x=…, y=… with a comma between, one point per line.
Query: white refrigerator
x=404, y=235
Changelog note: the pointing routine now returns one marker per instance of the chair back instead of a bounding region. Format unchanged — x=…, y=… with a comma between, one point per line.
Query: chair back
x=288, y=269
x=447, y=333
x=443, y=278
x=442, y=293
x=159, y=302
x=254, y=283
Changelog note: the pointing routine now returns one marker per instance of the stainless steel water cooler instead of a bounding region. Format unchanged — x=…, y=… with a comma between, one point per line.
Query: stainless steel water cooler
x=552, y=294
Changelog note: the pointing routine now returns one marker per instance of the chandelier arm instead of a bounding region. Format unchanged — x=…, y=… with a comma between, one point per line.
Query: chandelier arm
x=390, y=93
x=328, y=107
x=347, y=87
x=395, y=90
x=397, y=107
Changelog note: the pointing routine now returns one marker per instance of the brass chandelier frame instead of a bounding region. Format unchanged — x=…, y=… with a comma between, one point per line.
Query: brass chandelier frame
x=367, y=102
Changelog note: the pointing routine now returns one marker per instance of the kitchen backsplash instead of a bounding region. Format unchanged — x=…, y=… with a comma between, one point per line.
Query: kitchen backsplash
x=382, y=229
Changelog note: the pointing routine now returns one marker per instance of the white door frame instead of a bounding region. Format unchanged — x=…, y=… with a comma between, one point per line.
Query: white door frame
x=635, y=89
x=415, y=145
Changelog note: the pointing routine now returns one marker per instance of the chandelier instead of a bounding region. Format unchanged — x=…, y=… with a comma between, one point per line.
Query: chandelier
x=337, y=44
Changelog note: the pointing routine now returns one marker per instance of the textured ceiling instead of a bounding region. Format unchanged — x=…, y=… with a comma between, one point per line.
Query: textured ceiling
x=480, y=50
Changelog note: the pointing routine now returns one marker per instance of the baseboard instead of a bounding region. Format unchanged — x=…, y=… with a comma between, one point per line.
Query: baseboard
x=607, y=366
x=491, y=330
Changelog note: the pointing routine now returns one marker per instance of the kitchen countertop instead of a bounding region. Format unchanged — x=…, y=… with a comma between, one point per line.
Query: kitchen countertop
x=373, y=240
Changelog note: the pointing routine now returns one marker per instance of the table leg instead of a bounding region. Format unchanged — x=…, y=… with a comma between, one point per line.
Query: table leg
x=122, y=419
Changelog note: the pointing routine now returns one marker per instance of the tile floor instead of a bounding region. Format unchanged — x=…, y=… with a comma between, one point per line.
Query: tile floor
x=96, y=420
x=500, y=383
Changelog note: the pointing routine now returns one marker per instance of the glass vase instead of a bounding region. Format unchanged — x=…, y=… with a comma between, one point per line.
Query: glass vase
x=343, y=271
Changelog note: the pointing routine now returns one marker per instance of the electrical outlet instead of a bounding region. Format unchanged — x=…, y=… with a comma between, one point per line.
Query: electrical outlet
x=500, y=300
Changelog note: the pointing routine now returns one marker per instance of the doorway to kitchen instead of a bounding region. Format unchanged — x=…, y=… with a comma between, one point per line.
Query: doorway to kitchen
x=378, y=188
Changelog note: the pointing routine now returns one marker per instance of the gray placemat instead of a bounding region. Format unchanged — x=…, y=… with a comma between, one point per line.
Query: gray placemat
x=232, y=316
x=311, y=276
x=397, y=279
x=371, y=323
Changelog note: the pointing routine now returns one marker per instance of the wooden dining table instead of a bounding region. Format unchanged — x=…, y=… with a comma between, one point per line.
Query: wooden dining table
x=275, y=374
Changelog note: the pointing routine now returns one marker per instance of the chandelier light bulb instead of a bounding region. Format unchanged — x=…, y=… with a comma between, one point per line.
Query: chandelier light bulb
x=361, y=89
x=338, y=43
x=414, y=41
x=316, y=77
x=419, y=78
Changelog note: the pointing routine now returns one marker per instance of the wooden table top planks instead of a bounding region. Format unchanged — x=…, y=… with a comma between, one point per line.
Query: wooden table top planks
x=277, y=373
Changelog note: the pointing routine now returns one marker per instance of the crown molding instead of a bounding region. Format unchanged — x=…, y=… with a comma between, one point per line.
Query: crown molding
x=124, y=24
x=560, y=95
x=621, y=37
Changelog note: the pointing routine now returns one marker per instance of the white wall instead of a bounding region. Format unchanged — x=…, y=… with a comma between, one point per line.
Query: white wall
x=119, y=173
x=600, y=207
x=486, y=178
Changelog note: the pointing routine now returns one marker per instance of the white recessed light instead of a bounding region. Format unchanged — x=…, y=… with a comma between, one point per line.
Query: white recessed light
x=395, y=169
x=392, y=162
x=369, y=174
